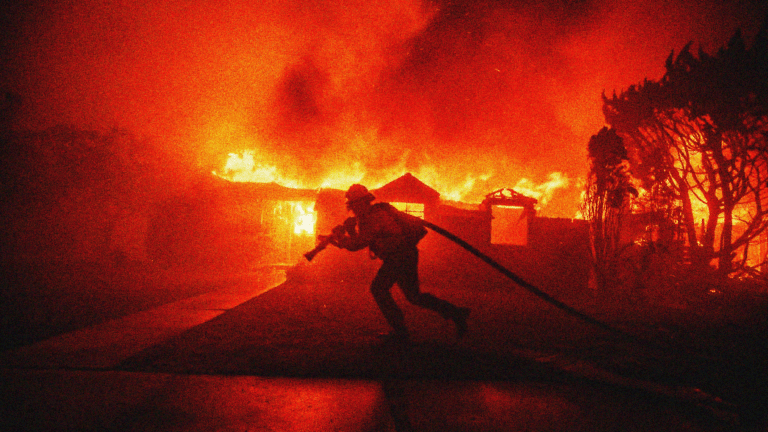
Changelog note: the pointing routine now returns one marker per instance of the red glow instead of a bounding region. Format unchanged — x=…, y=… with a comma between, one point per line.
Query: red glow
x=247, y=168
x=468, y=96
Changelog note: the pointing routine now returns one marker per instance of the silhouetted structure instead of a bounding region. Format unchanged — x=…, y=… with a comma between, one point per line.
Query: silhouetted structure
x=223, y=223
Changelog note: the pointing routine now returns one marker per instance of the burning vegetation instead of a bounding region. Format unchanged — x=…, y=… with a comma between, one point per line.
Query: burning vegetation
x=681, y=174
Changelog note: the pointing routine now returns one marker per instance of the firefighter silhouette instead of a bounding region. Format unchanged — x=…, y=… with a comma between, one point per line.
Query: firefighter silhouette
x=392, y=236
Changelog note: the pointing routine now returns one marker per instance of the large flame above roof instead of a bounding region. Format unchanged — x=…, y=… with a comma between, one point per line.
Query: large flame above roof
x=244, y=168
x=468, y=95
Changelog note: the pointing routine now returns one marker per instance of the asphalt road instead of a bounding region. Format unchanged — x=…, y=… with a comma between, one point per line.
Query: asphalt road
x=308, y=352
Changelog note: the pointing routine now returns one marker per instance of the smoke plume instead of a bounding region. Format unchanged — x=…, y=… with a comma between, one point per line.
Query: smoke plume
x=470, y=96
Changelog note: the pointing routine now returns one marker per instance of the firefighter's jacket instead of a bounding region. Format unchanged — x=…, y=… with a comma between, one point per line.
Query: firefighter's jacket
x=384, y=230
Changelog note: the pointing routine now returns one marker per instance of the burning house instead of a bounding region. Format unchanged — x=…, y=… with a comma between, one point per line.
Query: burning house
x=239, y=225
x=243, y=224
x=410, y=195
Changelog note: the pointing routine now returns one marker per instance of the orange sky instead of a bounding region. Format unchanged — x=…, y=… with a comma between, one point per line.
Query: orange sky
x=478, y=94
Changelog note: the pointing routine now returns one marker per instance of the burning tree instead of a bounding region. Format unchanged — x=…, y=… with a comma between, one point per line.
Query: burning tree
x=700, y=136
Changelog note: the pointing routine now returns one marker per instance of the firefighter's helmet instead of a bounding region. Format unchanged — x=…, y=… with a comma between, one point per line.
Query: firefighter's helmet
x=358, y=192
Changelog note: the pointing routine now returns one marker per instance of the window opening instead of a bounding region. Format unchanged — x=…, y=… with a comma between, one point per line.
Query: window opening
x=415, y=209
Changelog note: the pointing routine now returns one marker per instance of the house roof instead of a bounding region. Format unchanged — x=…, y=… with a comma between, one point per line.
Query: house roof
x=266, y=191
x=407, y=189
x=509, y=197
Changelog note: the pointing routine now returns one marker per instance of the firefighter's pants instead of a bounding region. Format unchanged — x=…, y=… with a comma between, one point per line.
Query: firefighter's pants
x=403, y=269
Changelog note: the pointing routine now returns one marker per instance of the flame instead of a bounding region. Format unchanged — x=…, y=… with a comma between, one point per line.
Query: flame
x=448, y=190
x=304, y=222
x=251, y=166
x=245, y=168
x=701, y=212
x=543, y=192
x=342, y=178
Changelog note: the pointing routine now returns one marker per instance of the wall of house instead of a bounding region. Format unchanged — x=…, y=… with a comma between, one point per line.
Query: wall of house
x=556, y=257
x=331, y=210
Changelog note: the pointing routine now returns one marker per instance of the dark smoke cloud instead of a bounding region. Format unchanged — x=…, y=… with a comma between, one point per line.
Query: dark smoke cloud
x=452, y=90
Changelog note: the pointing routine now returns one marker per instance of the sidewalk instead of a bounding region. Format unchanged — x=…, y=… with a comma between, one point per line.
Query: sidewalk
x=105, y=345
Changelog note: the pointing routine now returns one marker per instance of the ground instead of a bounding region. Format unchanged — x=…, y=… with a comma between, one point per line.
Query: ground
x=700, y=368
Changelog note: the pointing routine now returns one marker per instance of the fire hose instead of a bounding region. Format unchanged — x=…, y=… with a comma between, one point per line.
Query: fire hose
x=327, y=240
x=339, y=230
x=703, y=397
x=699, y=396
x=522, y=282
